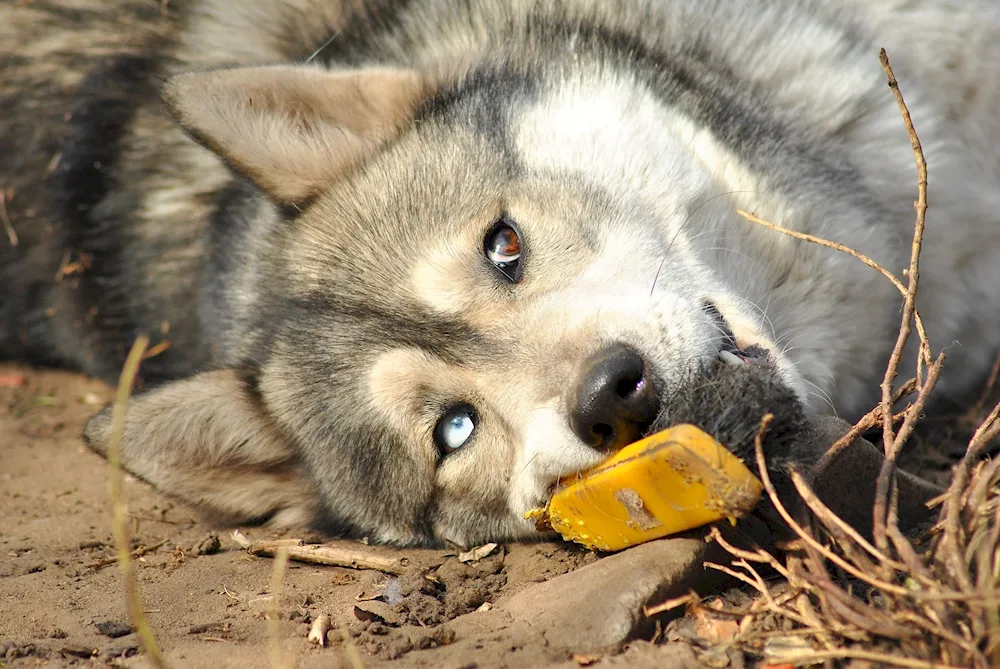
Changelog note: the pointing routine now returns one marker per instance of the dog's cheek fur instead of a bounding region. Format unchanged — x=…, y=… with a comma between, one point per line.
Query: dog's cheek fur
x=456, y=521
x=207, y=441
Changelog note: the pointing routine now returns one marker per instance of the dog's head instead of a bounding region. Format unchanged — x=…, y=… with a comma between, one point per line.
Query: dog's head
x=454, y=297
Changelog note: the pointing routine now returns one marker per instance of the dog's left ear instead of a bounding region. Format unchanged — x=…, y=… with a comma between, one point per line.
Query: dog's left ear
x=290, y=129
x=206, y=441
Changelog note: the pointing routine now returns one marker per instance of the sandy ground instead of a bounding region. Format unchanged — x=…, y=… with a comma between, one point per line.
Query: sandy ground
x=208, y=601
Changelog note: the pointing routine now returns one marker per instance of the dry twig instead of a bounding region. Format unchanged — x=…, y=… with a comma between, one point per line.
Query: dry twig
x=137, y=553
x=328, y=555
x=938, y=606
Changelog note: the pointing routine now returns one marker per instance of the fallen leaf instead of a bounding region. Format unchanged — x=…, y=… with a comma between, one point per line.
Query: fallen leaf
x=375, y=592
x=716, y=630
x=476, y=554
x=585, y=660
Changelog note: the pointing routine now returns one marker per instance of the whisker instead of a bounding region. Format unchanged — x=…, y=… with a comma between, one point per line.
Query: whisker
x=322, y=46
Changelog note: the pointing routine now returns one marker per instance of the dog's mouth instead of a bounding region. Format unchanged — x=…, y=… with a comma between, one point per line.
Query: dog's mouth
x=729, y=396
x=726, y=397
x=730, y=351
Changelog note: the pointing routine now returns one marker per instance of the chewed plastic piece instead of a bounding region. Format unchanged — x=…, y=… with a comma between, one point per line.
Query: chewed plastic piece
x=669, y=482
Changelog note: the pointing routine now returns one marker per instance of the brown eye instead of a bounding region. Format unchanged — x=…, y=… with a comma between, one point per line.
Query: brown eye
x=503, y=248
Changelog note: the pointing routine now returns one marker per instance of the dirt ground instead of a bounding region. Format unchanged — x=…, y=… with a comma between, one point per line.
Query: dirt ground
x=62, y=601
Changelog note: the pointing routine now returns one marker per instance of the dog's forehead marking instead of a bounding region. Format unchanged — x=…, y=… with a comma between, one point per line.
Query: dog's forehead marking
x=440, y=277
x=619, y=134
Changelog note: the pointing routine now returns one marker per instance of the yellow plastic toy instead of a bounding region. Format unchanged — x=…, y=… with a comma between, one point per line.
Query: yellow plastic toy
x=671, y=481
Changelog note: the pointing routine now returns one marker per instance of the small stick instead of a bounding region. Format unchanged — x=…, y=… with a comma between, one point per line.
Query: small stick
x=670, y=604
x=938, y=630
x=760, y=555
x=832, y=520
x=328, y=555
x=7, y=225
x=839, y=247
x=886, y=478
x=893, y=442
x=765, y=478
x=137, y=553
x=870, y=420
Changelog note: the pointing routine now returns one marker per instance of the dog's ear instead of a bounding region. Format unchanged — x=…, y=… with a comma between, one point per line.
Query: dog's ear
x=290, y=129
x=206, y=441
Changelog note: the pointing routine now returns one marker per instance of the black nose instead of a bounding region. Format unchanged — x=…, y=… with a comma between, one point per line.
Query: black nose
x=614, y=399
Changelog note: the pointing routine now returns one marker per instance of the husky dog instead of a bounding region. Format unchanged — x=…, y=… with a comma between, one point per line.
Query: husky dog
x=408, y=264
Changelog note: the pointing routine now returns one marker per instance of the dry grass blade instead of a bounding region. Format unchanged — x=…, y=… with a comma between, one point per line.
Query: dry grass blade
x=5, y=219
x=991, y=382
x=884, y=659
x=274, y=610
x=119, y=511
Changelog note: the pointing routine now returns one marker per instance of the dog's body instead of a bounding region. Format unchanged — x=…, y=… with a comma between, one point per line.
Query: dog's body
x=425, y=258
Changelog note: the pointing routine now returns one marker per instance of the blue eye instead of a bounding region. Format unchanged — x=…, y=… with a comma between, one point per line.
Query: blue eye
x=455, y=428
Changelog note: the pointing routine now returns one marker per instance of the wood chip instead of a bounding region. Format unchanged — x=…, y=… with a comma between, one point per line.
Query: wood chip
x=220, y=626
x=375, y=592
x=318, y=630
x=77, y=650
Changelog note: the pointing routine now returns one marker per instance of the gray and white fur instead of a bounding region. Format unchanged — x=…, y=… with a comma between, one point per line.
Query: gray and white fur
x=307, y=198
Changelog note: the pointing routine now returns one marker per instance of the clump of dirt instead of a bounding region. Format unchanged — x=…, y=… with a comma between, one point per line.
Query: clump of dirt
x=466, y=587
x=410, y=612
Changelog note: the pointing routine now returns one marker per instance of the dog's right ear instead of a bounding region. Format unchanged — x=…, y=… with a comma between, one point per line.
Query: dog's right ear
x=291, y=128
x=208, y=442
